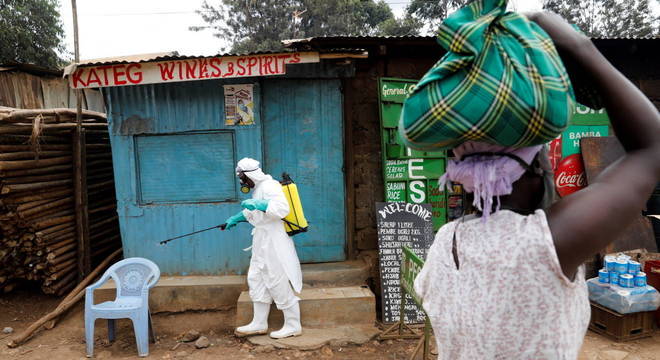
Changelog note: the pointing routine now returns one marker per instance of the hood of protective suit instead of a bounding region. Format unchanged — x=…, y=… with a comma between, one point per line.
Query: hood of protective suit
x=252, y=170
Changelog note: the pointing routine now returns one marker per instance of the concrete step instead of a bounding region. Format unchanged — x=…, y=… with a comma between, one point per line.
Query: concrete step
x=321, y=307
x=183, y=293
x=344, y=273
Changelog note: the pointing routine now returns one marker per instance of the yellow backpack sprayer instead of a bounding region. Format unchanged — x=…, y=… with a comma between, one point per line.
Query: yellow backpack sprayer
x=294, y=223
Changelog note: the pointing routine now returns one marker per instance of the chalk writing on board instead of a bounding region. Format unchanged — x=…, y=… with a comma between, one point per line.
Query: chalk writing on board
x=401, y=224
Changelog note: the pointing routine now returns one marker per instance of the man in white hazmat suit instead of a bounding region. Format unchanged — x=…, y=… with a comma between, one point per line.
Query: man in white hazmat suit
x=274, y=271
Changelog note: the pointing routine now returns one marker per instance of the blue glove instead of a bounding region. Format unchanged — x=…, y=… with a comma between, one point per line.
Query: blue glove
x=252, y=204
x=234, y=220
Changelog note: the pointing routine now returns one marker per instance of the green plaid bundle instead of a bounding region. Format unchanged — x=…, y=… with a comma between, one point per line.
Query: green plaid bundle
x=501, y=82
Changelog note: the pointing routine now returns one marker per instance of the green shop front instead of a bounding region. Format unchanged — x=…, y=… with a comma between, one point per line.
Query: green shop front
x=409, y=175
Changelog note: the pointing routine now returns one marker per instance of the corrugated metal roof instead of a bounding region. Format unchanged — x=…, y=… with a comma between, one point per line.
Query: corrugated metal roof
x=338, y=43
x=292, y=42
x=322, y=43
x=419, y=37
x=647, y=37
x=30, y=68
x=164, y=56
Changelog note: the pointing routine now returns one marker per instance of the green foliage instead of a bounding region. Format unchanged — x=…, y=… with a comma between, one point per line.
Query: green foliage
x=608, y=18
x=628, y=18
x=31, y=32
x=432, y=13
x=596, y=18
x=260, y=25
x=407, y=26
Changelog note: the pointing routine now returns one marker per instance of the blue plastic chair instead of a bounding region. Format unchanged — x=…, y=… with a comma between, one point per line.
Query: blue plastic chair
x=133, y=277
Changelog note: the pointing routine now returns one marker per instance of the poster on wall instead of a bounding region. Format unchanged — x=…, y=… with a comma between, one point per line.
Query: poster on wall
x=239, y=105
x=566, y=154
x=401, y=224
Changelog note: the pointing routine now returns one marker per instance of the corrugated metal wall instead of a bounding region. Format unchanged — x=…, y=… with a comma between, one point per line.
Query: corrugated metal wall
x=180, y=108
x=300, y=124
x=27, y=91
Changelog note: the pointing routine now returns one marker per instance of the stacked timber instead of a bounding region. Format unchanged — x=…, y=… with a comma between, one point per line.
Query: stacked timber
x=38, y=224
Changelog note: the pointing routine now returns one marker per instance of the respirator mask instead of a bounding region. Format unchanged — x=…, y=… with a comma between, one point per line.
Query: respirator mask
x=245, y=187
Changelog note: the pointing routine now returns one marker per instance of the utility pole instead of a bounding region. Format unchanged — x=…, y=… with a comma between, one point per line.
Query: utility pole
x=80, y=188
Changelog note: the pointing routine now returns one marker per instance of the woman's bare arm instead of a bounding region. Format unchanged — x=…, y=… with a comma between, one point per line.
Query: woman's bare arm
x=585, y=222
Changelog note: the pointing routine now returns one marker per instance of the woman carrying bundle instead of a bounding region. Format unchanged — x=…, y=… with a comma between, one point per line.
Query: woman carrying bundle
x=510, y=284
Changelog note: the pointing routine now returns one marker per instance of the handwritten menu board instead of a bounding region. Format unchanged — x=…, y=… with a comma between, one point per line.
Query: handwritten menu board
x=401, y=224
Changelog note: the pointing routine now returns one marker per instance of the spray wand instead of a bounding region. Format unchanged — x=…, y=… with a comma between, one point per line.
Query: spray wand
x=221, y=227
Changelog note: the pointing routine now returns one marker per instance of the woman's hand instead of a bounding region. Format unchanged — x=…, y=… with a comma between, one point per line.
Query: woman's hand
x=563, y=34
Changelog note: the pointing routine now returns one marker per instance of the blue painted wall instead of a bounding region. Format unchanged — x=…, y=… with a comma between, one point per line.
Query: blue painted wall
x=151, y=117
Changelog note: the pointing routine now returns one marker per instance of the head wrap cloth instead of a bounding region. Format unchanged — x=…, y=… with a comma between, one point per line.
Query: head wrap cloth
x=501, y=82
x=501, y=87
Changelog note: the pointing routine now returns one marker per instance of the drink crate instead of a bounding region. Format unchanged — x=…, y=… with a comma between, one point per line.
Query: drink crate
x=652, y=270
x=621, y=327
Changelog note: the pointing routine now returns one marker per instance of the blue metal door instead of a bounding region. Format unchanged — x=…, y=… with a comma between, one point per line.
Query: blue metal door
x=174, y=161
x=303, y=136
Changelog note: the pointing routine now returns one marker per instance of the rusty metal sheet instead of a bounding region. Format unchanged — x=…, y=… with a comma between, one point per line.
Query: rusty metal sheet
x=56, y=93
x=7, y=90
x=20, y=90
x=23, y=90
x=28, y=91
x=598, y=153
x=94, y=100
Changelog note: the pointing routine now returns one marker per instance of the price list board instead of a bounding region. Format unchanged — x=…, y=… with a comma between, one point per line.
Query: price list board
x=401, y=224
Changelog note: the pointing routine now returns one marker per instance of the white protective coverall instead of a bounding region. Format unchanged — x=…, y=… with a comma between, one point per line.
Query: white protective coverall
x=274, y=263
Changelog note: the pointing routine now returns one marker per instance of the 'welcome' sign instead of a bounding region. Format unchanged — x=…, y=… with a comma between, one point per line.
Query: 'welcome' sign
x=401, y=224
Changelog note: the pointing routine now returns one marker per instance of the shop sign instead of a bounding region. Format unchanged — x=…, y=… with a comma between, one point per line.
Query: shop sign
x=410, y=176
x=413, y=169
x=570, y=143
x=221, y=67
x=565, y=152
x=401, y=224
x=588, y=116
x=395, y=91
x=570, y=176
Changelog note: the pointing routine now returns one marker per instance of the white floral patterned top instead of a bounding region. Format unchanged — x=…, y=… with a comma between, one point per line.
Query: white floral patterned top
x=509, y=299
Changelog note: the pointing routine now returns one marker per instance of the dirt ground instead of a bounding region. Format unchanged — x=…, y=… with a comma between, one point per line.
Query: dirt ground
x=66, y=341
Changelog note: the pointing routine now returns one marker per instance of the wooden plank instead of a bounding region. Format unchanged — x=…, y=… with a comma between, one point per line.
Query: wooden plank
x=77, y=186
x=87, y=259
x=349, y=161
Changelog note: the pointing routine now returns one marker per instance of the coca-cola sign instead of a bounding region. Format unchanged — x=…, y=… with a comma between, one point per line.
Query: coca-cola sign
x=570, y=176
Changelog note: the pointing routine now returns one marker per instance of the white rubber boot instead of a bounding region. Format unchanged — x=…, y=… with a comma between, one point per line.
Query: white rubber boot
x=291, y=326
x=259, y=324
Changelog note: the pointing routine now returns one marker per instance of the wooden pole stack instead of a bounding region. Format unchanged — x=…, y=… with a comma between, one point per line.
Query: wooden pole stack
x=38, y=209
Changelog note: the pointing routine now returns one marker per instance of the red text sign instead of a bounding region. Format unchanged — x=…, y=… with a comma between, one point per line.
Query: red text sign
x=187, y=70
x=570, y=176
